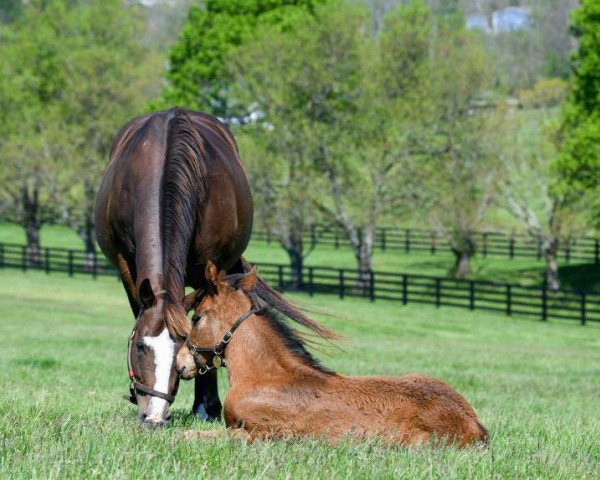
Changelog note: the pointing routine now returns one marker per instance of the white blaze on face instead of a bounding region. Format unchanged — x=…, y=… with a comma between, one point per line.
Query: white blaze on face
x=164, y=349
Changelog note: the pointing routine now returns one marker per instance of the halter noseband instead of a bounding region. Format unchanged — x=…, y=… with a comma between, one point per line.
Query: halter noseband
x=136, y=385
x=218, y=350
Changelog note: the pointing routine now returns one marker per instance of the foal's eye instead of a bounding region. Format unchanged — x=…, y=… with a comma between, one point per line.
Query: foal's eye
x=196, y=319
x=139, y=346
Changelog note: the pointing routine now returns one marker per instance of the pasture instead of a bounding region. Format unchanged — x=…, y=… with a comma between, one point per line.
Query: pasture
x=535, y=386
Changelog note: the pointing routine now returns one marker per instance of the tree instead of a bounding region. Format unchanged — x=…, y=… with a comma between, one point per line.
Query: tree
x=461, y=176
x=197, y=76
x=336, y=120
x=579, y=138
x=30, y=83
x=109, y=78
x=549, y=216
x=73, y=75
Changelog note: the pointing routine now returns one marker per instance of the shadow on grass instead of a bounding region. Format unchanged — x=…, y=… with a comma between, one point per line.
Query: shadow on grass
x=580, y=277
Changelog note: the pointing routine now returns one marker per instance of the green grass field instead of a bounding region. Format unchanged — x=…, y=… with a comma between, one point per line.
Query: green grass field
x=519, y=271
x=536, y=386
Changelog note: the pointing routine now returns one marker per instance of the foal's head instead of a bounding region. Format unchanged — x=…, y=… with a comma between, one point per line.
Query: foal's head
x=156, y=338
x=227, y=300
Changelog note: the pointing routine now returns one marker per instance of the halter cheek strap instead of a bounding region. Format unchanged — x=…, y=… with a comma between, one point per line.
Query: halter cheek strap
x=136, y=385
x=218, y=350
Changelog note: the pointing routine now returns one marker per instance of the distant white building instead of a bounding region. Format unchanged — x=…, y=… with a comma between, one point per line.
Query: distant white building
x=505, y=20
x=509, y=19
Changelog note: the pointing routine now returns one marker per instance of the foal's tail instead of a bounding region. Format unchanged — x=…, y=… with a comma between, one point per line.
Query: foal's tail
x=184, y=188
x=277, y=301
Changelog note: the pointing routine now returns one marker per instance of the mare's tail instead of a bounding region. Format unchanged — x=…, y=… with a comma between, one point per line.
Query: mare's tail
x=184, y=188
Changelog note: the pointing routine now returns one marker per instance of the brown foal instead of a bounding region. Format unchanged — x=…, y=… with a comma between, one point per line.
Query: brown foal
x=278, y=390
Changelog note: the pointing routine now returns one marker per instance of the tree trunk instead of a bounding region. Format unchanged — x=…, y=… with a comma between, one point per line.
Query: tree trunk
x=363, y=252
x=296, y=266
x=462, y=264
x=32, y=224
x=552, y=276
x=90, y=236
x=294, y=246
x=463, y=248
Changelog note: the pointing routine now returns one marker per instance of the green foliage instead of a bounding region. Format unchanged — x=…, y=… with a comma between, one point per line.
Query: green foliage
x=197, y=76
x=579, y=163
x=547, y=92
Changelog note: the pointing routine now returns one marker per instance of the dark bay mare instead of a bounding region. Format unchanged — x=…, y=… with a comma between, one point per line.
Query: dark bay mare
x=173, y=197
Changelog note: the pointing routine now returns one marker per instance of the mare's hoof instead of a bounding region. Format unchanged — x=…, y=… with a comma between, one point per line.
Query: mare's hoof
x=202, y=414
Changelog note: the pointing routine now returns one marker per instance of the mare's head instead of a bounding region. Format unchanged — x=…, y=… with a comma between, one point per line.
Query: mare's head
x=227, y=300
x=160, y=329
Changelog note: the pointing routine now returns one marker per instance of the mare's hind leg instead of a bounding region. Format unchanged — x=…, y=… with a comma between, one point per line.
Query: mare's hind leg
x=206, y=397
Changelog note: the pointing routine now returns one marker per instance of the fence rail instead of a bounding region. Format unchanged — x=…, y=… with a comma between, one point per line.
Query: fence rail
x=418, y=240
x=538, y=302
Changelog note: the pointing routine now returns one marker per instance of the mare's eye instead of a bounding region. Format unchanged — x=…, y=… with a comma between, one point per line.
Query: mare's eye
x=139, y=346
x=196, y=319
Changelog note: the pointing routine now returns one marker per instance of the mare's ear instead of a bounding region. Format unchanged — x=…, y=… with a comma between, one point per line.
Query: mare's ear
x=192, y=300
x=146, y=293
x=248, y=281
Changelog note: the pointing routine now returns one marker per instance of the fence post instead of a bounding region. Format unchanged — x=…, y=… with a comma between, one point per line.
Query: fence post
x=568, y=252
x=509, y=300
x=485, y=245
x=432, y=243
x=372, y=285
x=311, y=285
x=341, y=283
x=24, y=258
x=407, y=241
x=280, y=276
x=511, y=247
x=404, y=289
x=544, y=303
x=47, y=260
x=1, y=255
x=539, y=248
x=596, y=251
x=313, y=236
x=383, y=240
x=70, y=263
x=583, y=316
x=438, y=287
x=471, y=295
x=336, y=240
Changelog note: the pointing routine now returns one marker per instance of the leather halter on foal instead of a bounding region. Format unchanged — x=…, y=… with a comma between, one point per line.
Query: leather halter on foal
x=136, y=385
x=219, y=349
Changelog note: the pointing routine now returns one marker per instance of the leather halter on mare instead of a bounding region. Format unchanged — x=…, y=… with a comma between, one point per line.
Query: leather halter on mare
x=218, y=350
x=136, y=385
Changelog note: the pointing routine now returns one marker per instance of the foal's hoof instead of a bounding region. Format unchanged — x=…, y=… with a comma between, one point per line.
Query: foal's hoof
x=202, y=414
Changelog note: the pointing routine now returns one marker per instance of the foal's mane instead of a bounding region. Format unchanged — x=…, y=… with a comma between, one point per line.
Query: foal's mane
x=275, y=309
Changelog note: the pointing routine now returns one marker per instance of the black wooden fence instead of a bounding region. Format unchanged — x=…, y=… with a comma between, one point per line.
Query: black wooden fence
x=537, y=302
x=586, y=249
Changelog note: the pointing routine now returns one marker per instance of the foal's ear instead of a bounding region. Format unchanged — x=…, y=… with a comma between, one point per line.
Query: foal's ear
x=248, y=281
x=146, y=293
x=191, y=300
x=211, y=273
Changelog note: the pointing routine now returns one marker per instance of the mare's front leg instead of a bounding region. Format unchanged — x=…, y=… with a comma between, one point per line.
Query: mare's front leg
x=206, y=397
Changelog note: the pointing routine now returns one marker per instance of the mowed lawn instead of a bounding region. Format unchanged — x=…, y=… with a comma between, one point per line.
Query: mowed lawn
x=536, y=386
